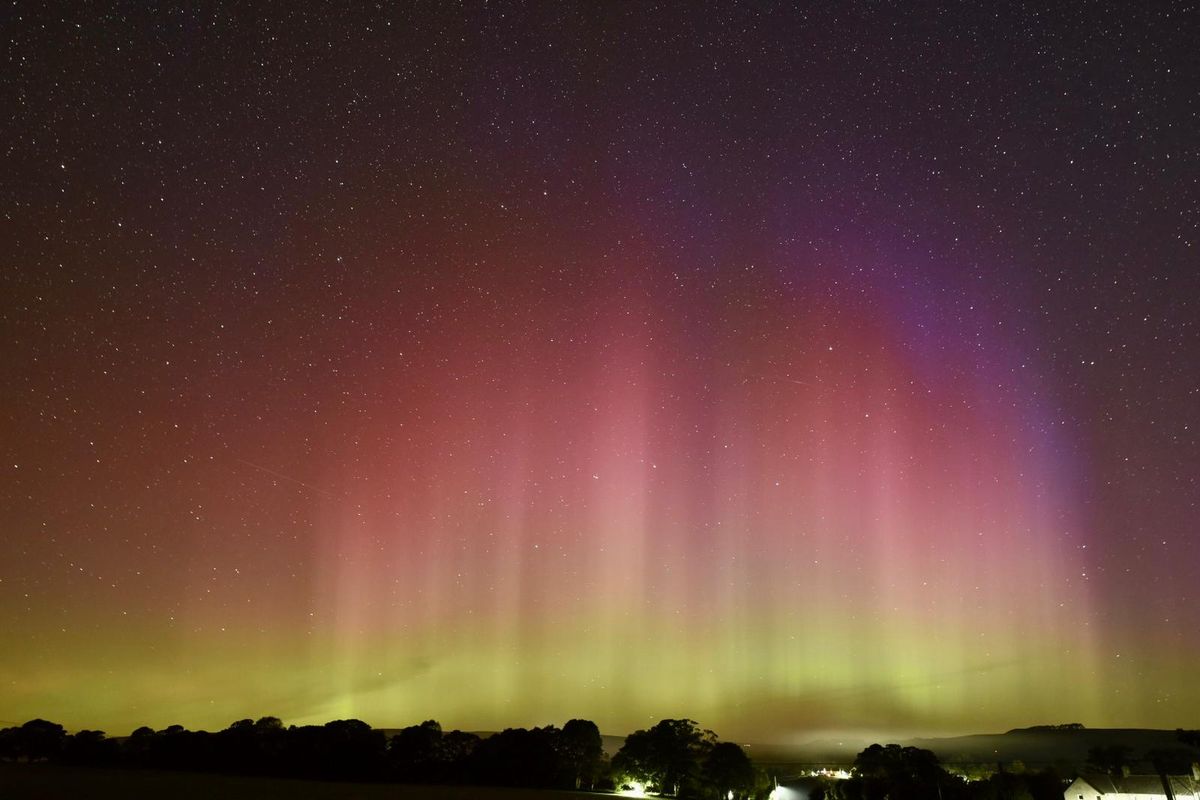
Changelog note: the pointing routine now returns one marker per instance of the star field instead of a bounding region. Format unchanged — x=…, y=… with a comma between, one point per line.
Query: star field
x=790, y=370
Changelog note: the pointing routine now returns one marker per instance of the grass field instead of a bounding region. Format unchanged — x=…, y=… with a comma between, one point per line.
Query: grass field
x=46, y=782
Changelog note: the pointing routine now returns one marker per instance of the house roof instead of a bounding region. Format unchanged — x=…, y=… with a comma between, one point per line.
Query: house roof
x=1141, y=784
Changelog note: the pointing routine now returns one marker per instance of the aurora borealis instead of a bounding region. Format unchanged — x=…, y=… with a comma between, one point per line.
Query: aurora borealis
x=794, y=371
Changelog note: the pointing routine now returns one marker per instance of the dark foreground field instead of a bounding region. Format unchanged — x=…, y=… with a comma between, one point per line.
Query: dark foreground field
x=29, y=781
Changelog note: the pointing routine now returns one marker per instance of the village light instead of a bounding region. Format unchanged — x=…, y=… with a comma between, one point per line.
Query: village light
x=782, y=793
x=635, y=790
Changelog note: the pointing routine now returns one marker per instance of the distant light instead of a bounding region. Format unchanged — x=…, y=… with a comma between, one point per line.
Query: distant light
x=635, y=790
x=836, y=774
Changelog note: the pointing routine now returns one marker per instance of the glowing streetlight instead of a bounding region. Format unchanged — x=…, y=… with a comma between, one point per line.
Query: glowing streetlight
x=635, y=790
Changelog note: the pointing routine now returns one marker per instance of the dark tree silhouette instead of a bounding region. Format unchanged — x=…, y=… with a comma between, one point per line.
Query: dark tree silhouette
x=175, y=747
x=415, y=752
x=353, y=749
x=90, y=747
x=1111, y=760
x=666, y=757
x=675, y=755
x=582, y=751
x=1067, y=726
x=727, y=769
x=9, y=749
x=518, y=757
x=39, y=740
x=457, y=747
x=1044, y=785
x=268, y=724
x=137, y=746
x=1171, y=761
x=1008, y=786
x=897, y=773
x=255, y=747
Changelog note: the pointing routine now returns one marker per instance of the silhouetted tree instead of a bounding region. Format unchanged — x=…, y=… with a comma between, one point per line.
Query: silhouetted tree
x=268, y=725
x=518, y=757
x=666, y=757
x=728, y=769
x=1046, y=784
x=347, y=749
x=175, y=747
x=353, y=749
x=137, y=746
x=415, y=752
x=270, y=739
x=91, y=747
x=39, y=740
x=1112, y=759
x=674, y=755
x=1068, y=726
x=1010, y=787
x=456, y=750
x=9, y=748
x=251, y=746
x=1171, y=761
x=897, y=773
x=1003, y=785
x=582, y=751
x=302, y=754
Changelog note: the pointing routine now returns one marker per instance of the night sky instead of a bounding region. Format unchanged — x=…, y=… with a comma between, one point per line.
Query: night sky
x=795, y=371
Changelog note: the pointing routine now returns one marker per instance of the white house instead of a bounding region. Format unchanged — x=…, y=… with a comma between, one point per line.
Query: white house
x=1134, y=787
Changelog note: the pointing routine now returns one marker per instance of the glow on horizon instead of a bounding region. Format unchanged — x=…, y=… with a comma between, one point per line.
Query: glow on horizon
x=629, y=534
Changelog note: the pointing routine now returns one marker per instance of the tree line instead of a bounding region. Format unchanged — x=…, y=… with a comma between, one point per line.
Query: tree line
x=894, y=772
x=674, y=757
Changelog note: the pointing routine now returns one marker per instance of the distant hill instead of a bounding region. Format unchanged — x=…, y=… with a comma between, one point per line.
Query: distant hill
x=1042, y=746
x=1035, y=747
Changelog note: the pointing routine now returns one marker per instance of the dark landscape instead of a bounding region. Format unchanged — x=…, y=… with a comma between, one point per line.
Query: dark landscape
x=676, y=758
